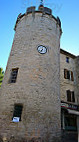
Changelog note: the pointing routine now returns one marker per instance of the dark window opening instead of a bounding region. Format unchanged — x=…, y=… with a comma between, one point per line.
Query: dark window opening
x=67, y=59
x=73, y=97
x=13, y=76
x=17, y=111
x=70, y=96
x=68, y=75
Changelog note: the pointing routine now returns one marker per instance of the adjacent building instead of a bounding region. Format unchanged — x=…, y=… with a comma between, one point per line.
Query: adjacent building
x=69, y=88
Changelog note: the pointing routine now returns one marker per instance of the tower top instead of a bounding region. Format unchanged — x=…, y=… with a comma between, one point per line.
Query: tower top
x=41, y=9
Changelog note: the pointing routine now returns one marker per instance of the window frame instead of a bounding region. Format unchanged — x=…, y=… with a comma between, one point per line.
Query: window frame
x=67, y=59
x=70, y=96
x=68, y=75
x=13, y=75
x=17, y=111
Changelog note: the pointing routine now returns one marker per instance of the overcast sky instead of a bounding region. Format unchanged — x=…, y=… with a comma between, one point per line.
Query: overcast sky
x=66, y=10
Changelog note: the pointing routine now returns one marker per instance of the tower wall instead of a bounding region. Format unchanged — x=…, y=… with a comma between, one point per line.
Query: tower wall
x=37, y=87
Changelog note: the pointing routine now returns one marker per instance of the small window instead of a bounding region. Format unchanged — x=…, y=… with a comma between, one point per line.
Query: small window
x=17, y=113
x=67, y=59
x=13, y=76
x=68, y=75
x=70, y=96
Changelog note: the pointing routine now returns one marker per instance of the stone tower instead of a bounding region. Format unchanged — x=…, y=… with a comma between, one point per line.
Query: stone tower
x=30, y=93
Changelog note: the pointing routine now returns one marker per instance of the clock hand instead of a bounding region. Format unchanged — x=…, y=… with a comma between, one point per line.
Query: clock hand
x=42, y=49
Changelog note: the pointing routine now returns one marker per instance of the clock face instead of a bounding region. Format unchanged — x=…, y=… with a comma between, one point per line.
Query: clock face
x=42, y=49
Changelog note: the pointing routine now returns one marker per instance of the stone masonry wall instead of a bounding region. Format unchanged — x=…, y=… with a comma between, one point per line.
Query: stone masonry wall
x=37, y=86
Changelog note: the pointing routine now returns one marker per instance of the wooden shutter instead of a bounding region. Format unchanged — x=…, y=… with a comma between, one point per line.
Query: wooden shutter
x=65, y=73
x=68, y=95
x=72, y=78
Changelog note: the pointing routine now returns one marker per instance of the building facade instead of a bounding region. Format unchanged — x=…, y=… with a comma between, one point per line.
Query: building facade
x=69, y=88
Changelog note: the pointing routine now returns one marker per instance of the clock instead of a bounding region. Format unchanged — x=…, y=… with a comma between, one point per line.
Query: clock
x=42, y=49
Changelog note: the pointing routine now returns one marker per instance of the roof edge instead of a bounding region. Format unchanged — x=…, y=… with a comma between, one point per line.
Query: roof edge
x=68, y=53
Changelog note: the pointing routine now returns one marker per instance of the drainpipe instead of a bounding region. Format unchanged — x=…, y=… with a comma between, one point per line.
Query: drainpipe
x=63, y=120
x=78, y=126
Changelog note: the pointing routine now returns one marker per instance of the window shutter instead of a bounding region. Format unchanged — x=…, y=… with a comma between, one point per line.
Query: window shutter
x=73, y=97
x=68, y=95
x=65, y=73
x=72, y=78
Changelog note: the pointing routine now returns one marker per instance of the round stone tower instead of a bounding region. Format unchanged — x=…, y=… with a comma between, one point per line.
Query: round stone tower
x=30, y=93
